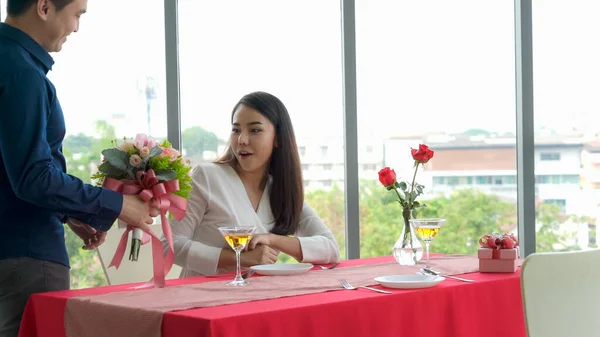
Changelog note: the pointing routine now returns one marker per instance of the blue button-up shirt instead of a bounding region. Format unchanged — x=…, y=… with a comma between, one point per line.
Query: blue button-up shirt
x=36, y=193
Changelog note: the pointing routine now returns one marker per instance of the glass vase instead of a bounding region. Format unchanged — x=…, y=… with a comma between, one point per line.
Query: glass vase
x=408, y=250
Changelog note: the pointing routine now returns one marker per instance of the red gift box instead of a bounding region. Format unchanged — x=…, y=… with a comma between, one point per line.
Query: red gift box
x=493, y=260
x=498, y=253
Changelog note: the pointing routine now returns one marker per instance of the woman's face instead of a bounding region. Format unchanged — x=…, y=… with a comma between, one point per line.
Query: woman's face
x=252, y=140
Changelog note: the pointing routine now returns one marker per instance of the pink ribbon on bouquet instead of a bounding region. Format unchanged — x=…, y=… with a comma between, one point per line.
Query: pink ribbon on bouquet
x=161, y=196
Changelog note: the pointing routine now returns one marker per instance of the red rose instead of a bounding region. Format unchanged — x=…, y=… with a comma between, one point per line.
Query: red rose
x=387, y=177
x=423, y=154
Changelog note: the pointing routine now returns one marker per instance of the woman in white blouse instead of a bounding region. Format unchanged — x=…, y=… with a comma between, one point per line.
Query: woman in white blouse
x=257, y=182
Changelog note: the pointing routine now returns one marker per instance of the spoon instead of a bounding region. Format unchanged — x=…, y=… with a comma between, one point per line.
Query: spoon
x=432, y=272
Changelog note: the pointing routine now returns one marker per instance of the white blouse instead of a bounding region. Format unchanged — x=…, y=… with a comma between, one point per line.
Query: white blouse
x=219, y=199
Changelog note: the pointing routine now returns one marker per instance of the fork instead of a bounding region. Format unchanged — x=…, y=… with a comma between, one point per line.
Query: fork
x=330, y=267
x=348, y=286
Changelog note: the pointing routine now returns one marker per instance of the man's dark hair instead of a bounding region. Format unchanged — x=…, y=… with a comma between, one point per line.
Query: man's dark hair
x=19, y=7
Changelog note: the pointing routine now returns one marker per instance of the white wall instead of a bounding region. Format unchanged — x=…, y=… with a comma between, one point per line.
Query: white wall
x=569, y=163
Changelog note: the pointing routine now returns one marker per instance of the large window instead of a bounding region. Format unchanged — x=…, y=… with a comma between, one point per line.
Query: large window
x=289, y=49
x=111, y=85
x=566, y=105
x=2, y=10
x=440, y=73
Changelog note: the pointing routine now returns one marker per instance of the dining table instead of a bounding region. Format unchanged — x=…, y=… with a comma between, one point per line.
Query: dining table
x=313, y=303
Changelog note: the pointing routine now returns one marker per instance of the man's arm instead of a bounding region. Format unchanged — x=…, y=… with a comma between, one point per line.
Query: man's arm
x=24, y=112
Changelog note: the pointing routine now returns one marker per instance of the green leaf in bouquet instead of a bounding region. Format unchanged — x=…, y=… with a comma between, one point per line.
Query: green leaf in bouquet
x=98, y=177
x=131, y=171
x=166, y=175
x=182, y=168
x=110, y=170
x=155, y=151
x=116, y=158
x=160, y=163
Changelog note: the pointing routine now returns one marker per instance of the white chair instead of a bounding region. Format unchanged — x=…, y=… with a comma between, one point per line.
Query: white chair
x=561, y=293
x=129, y=272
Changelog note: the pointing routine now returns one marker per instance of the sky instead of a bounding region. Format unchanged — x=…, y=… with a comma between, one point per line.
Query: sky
x=422, y=66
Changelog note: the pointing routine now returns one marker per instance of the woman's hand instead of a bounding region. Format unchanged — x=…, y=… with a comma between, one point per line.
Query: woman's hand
x=280, y=243
x=261, y=254
x=260, y=239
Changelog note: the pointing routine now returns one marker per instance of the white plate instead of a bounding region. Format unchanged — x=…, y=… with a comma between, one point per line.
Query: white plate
x=409, y=281
x=282, y=268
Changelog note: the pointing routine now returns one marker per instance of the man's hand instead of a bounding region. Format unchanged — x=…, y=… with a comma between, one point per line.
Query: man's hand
x=262, y=254
x=136, y=212
x=91, y=237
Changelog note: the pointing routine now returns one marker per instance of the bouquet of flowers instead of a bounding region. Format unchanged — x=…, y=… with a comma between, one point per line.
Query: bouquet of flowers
x=158, y=174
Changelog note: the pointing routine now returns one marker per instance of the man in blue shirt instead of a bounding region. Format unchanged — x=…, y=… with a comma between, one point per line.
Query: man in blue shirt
x=36, y=193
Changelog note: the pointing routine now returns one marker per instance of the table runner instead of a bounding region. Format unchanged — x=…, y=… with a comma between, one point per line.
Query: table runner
x=139, y=312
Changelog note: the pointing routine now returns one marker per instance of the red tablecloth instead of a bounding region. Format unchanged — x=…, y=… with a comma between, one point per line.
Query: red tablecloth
x=492, y=305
